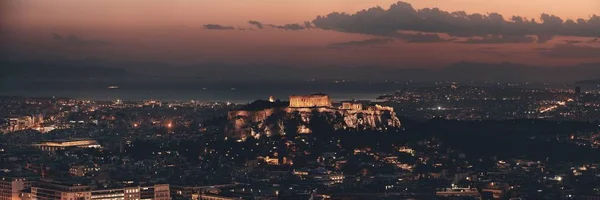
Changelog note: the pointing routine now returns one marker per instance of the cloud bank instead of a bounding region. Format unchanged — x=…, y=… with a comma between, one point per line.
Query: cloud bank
x=289, y=27
x=500, y=39
x=403, y=17
x=367, y=42
x=217, y=27
x=258, y=24
x=420, y=37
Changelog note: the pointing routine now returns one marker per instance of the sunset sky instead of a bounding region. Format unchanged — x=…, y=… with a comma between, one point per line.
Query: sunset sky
x=191, y=32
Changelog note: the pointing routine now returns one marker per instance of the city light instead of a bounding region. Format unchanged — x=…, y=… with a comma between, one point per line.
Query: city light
x=297, y=99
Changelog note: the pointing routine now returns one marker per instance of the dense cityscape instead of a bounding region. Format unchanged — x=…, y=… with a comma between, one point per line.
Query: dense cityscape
x=299, y=100
x=438, y=142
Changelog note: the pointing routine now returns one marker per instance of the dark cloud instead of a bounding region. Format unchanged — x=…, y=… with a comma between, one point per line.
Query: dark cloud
x=308, y=24
x=75, y=40
x=490, y=48
x=544, y=38
x=495, y=51
x=258, y=24
x=56, y=36
x=420, y=37
x=402, y=16
x=573, y=41
x=367, y=42
x=217, y=27
x=4, y=32
x=571, y=51
x=540, y=49
x=289, y=27
x=500, y=39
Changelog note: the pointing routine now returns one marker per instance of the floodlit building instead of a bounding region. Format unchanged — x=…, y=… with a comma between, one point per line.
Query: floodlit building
x=455, y=192
x=82, y=170
x=155, y=192
x=51, y=189
x=10, y=188
x=47, y=189
x=352, y=106
x=242, y=123
x=308, y=101
x=69, y=143
x=211, y=197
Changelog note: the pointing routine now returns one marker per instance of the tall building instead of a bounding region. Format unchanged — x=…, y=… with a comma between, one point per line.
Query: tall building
x=155, y=192
x=10, y=188
x=577, y=90
x=47, y=189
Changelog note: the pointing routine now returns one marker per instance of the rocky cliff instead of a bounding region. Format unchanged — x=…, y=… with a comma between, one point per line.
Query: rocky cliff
x=286, y=120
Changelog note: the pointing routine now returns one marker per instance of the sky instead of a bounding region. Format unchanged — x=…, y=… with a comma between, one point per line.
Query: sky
x=407, y=34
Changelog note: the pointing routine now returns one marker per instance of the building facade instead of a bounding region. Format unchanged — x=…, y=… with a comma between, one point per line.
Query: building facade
x=269, y=121
x=155, y=192
x=308, y=101
x=63, y=144
x=49, y=189
x=352, y=106
x=10, y=188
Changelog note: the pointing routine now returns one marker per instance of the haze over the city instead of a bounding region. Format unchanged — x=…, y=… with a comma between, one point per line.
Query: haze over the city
x=274, y=39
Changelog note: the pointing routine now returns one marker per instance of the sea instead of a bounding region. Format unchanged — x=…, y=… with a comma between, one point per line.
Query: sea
x=210, y=91
x=197, y=90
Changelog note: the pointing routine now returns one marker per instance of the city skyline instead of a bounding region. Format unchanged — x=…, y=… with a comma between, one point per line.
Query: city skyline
x=299, y=99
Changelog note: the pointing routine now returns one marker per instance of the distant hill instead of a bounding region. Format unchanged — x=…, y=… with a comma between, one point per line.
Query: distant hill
x=34, y=70
x=264, y=104
x=460, y=71
x=594, y=81
x=518, y=72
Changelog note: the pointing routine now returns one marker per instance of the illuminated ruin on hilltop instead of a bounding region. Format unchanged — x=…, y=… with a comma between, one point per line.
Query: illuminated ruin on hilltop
x=267, y=118
x=308, y=101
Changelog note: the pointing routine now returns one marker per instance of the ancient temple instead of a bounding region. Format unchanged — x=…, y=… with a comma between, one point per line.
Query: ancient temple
x=309, y=101
x=267, y=117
